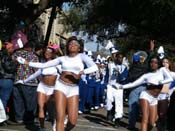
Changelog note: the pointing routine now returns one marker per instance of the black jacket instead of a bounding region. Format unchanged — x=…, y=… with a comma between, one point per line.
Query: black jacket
x=136, y=70
x=7, y=66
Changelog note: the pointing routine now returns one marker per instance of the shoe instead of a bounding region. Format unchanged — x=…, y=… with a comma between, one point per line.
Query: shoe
x=126, y=100
x=92, y=108
x=96, y=107
x=80, y=112
x=9, y=122
x=19, y=122
x=35, y=2
x=66, y=120
x=42, y=129
x=3, y=124
x=87, y=111
x=109, y=116
x=29, y=122
x=101, y=105
x=117, y=123
x=54, y=126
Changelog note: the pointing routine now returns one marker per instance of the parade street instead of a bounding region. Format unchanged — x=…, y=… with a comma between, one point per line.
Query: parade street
x=94, y=121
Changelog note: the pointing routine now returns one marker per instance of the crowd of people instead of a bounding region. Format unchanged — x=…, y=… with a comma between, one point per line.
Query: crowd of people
x=36, y=81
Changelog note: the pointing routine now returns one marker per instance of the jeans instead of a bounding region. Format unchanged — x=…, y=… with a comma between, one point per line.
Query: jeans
x=25, y=102
x=6, y=87
x=134, y=105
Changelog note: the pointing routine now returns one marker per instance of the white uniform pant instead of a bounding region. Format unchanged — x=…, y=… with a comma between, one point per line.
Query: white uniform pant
x=115, y=95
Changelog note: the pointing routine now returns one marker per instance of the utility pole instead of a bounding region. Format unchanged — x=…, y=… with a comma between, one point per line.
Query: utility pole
x=49, y=28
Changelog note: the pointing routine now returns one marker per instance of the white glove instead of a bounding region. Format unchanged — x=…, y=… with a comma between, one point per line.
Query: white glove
x=21, y=60
x=125, y=62
x=19, y=82
x=85, y=81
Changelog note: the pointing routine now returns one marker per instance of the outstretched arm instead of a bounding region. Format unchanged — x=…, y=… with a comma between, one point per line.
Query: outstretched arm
x=33, y=76
x=91, y=66
x=167, y=76
x=50, y=63
x=137, y=82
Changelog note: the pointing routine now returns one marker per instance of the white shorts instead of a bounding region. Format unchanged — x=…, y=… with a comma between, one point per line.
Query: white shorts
x=45, y=89
x=147, y=96
x=68, y=90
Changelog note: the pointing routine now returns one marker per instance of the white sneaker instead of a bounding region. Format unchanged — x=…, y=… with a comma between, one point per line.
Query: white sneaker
x=96, y=107
x=80, y=112
x=66, y=120
x=102, y=105
x=54, y=126
x=36, y=1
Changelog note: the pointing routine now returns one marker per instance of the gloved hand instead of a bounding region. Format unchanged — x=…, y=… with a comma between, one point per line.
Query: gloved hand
x=21, y=60
x=125, y=62
x=19, y=82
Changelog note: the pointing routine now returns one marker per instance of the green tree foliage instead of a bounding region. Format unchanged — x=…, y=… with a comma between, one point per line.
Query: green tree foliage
x=145, y=19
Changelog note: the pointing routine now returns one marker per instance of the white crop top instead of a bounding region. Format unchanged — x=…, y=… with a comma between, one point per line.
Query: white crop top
x=71, y=64
x=161, y=76
x=45, y=71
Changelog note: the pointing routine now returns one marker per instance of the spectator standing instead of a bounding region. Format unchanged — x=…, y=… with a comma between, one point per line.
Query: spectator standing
x=7, y=71
x=45, y=88
x=24, y=95
x=39, y=51
x=137, y=69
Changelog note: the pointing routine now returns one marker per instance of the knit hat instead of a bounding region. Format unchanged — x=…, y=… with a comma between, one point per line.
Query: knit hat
x=19, y=39
x=136, y=58
x=142, y=55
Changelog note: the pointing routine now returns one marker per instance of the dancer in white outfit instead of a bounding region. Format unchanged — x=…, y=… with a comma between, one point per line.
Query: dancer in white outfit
x=45, y=89
x=163, y=98
x=66, y=90
x=148, y=98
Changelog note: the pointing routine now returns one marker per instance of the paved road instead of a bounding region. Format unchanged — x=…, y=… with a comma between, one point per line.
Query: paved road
x=95, y=121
